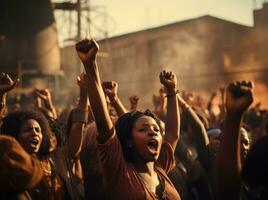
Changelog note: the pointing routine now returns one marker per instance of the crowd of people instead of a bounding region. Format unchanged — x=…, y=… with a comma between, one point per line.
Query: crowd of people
x=99, y=149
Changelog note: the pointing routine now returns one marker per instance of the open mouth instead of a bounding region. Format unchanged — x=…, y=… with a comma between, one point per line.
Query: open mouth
x=34, y=141
x=153, y=144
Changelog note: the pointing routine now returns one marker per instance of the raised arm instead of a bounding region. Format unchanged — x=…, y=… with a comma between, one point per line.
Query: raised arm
x=239, y=96
x=172, y=123
x=87, y=52
x=110, y=88
x=210, y=101
x=134, y=99
x=45, y=95
x=78, y=119
x=37, y=100
x=222, y=103
x=159, y=102
x=6, y=85
x=199, y=131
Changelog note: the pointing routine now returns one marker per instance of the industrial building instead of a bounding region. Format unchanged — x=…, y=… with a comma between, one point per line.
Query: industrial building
x=204, y=52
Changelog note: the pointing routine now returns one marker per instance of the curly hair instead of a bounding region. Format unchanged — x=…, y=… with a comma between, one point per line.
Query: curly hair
x=13, y=122
x=124, y=126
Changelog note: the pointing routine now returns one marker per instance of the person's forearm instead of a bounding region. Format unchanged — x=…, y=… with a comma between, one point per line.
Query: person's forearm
x=83, y=99
x=133, y=107
x=209, y=105
x=199, y=130
x=162, y=106
x=118, y=105
x=98, y=103
x=49, y=105
x=172, y=125
x=228, y=159
x=201, y=138
x=75, y=139
x=38, y=103
x=222, y=108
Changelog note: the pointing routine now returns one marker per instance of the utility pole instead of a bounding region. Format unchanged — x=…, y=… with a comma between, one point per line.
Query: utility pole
x=78, y=7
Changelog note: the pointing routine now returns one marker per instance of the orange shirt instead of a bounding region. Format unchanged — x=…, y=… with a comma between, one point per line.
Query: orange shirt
x=122, y=179
x=21, y=172
x=51, y=186
x=18, y=170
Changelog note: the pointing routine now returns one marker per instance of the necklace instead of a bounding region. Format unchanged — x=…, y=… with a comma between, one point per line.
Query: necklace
x=46, y=167
x=49, y=173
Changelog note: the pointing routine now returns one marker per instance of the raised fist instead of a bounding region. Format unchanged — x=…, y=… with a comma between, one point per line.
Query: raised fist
x=6, y=83
x=169, y=80
x=239, y=96
x=44, y=94
x=110, y=88
x=87, y=50
x=134, y=99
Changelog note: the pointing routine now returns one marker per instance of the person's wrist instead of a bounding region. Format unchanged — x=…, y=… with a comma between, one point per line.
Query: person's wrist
x=232, y=114
x=49, y=104
x=83, y=95
x=90, y=63
x=172, y=92
x=113, y=99
x=82, y=105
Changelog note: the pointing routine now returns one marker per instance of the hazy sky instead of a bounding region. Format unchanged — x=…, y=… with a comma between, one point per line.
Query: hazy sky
x=132, y=15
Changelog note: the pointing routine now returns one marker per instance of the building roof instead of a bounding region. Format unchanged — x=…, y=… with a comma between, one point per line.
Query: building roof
x=175, y=24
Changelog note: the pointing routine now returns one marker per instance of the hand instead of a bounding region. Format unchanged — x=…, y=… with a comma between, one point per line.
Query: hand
x=44, y=94
x=110, y=88
x=87, y=51
x=81, y=81
x=7, y=84
x=239, y=96
x=169, y=80
x=134, y=99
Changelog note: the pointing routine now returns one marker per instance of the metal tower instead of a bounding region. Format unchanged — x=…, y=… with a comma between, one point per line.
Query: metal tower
x=79, y=19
